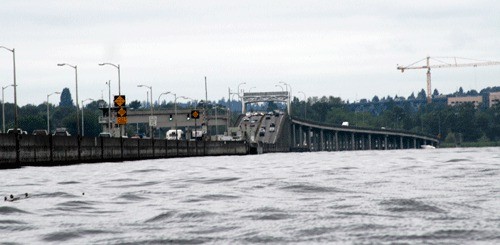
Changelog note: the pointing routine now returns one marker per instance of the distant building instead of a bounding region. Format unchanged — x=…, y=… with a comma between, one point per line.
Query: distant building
x=494, y=98
x=476, y=100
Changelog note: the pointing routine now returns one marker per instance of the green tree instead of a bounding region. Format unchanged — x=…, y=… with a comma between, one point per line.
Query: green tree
x=66, y=100
x=134, y=105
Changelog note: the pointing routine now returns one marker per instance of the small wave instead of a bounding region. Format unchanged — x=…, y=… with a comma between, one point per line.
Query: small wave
x=219, y=180
x=316, y=231
x=147, y=170
x=123, y=180
x=131, y=197
x=264, y=239
x=368, y=227
x=12, y=210
x=75, y=206
x=168, y=241
x=366, y=214
x=458, y=160
x=212, y=197
x=458, y=235
x=304, y=188
x=271, y=216
x=219, y=197
x=12, y=222
x=68, y=183
x=215, y=229
x=61, y=236
x=195, y=215
x=266, y=210
x=147, y=183
x=161, y=217
x=56, y=194
x=409, y=205
x=75, y=203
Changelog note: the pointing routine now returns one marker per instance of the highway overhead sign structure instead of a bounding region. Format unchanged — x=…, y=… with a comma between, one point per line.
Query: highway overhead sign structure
x=121, y=110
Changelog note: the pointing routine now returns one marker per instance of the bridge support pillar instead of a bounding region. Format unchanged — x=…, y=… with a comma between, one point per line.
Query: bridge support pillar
x=401, y=142
x=385, y=143
x=308, y=137
x=301, y=136
x=321, y=140
x=294, y=135
x=369, y=141
x=337, y=141
x=353, y=142
x=415, y=143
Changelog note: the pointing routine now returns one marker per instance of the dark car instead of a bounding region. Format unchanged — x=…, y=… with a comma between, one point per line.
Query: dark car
x=40, y=132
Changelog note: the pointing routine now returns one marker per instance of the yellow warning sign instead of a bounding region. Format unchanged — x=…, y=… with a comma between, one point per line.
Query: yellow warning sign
x=121, y=120
x=122, y=112
x=195, y=114
x=119, y=100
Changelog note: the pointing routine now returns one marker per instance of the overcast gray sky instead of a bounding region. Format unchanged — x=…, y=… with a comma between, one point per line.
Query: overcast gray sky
x=341, y=48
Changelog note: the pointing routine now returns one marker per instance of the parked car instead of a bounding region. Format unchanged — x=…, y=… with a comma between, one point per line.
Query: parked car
x=40, y=132
x=19, y=131
x=61, y=132
x=105, y=135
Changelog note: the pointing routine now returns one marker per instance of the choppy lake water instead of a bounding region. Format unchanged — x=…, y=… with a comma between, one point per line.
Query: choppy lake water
x=402, y=196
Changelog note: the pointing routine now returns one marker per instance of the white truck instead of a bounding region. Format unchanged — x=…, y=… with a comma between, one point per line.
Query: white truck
x=173, y=134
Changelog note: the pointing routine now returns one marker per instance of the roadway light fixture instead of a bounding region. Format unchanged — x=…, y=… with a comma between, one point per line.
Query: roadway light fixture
x=83, y=108
x=3, y=107
x=151, y=105
x=117, y=67
x=48, y=111
x=164, y=93
x=77, y=105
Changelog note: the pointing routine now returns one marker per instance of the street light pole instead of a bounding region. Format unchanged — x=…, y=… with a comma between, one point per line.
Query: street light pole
x=241, y=98
x=16, y=125
x=305, y=103
x=48, y=111
x=151, y=105
x=282, y=89
x=289, y=96
x=119, y=88
x=83, y=109
x=3, y=107
x=109, y=106
x=77, y=105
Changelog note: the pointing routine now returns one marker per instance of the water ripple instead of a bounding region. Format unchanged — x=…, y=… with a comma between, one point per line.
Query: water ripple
x=409, y=205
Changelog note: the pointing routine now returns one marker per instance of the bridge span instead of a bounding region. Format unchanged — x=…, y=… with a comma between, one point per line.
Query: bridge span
x=312, y=136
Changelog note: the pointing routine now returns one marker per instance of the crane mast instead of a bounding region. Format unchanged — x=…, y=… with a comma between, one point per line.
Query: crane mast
x=428, y=66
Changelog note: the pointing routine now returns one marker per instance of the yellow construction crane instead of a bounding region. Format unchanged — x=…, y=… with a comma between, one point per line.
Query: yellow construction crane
x=444, y=64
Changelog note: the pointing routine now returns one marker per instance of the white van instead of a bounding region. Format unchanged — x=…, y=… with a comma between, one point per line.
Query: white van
x=172, y=134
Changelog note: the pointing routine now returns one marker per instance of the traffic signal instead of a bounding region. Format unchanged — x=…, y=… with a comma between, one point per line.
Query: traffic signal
x=188, y=116
x=170, y=119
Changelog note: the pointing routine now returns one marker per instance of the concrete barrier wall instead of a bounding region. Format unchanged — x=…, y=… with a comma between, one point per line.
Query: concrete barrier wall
x=61, y=150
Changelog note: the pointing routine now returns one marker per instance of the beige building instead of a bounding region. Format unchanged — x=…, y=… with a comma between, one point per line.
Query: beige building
x=476, y=100
x=494, y=98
